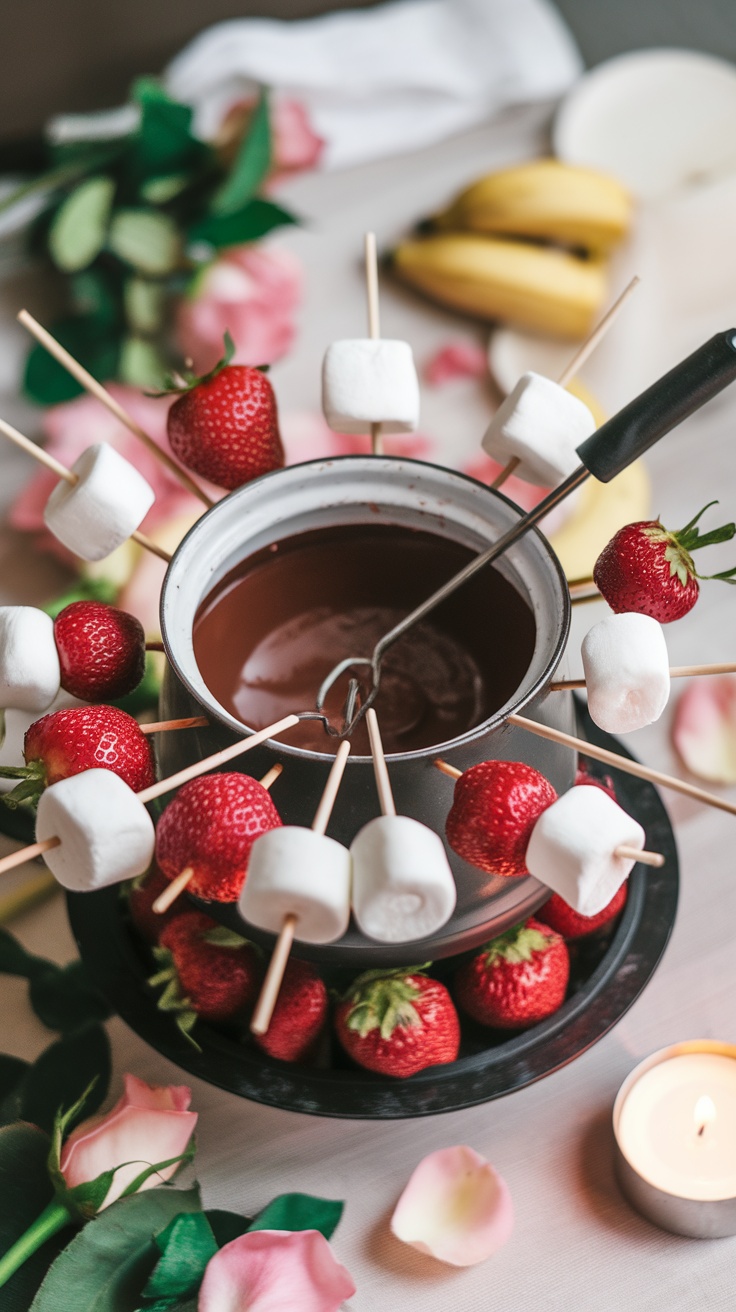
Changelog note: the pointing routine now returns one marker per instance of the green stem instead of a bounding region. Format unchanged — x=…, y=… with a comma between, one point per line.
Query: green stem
x=52, y=1219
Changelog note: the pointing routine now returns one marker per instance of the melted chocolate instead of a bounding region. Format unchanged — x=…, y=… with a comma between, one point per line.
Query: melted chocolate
x=267, y=636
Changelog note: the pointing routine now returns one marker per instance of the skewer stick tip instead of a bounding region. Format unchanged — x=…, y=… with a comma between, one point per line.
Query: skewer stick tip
x=170, y=894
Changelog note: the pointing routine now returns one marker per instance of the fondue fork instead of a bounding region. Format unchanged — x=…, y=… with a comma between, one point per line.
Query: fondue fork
x=618, y=442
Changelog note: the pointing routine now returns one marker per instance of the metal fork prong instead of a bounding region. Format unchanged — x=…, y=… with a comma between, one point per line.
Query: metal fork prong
x=334, y=675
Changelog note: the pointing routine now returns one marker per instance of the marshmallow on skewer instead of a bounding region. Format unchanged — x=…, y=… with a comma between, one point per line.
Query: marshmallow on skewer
x=403, y=887
x=105, y=832
x=99, y=512
x=573, y=848
x=627, y=672
x=30, y=674
x=540, y=424
x=296, y=872
x=369, y=381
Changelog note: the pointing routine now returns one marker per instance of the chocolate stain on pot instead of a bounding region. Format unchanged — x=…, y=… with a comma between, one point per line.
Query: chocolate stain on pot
x=274, y=626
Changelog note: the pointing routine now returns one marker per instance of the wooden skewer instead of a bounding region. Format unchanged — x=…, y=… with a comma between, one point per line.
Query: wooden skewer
x=380, y=769
x=623, y=763
x=277, y=965
x=676, y=672
x=581, y=598
x=166, y=785
x=634, y=853
x=163, y=726
x=585, y=349
x=62, y=472
x=155, y=646
x=96, y=389
x=177, y=885
x=374, y=322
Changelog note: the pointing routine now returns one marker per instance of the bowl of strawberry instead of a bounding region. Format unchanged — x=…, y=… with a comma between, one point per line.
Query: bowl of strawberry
x=392, y=1041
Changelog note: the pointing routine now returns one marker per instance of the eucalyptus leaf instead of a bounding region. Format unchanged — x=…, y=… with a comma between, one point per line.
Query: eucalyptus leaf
x=186, y=1246
x=145, y=303
x=65, y=999
x=25, y=1190
x=251, y=165
x=159, y=191
x=63, y=1072
x=300, y=1212
x=106, y=1265
x=145, y=239
x=78, y=231
x=47, y=382
x=141, y=364
x=254, y=220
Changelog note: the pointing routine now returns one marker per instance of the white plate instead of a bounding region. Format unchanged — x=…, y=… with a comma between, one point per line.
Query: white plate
x=659, y=120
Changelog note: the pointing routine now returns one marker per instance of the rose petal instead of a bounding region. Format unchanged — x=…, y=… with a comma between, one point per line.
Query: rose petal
x=456, y=360
x=704, y=728
x=455, y=1207
x=275, y=1270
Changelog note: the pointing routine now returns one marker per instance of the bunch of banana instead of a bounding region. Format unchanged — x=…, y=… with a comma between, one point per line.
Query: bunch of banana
x=527, y=245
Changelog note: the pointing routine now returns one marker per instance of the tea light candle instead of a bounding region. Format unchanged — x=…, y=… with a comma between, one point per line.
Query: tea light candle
x=674, y=1121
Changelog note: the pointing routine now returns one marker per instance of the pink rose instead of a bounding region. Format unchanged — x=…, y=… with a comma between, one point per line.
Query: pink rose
x=295, y=145
x=149, y=1124
x=275, y=1270
x=253, y=292
x=459, y=359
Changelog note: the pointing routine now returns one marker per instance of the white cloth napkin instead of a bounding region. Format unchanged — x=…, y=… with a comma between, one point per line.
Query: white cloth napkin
x=381, y=81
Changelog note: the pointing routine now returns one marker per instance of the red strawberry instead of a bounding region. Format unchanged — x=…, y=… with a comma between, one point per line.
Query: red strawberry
x=397, y=1022
x=517, y=979
x=210, y=827
x=142, y=893
x=225, y=425
x=493, y=812
x=605, y=782
x=647, y=569
x=82, y=738
x=102, y=651
x=208, y=970
x=570, y=924
x=299, y=1014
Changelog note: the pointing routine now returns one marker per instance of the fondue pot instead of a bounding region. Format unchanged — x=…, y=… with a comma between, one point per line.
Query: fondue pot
x=408, y=494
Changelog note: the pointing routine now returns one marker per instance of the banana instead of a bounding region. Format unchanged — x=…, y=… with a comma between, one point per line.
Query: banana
x=538, y=287
x=544, y=199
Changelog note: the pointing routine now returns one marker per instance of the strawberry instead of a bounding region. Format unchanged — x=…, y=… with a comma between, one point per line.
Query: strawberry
x=142, y=893
x=81, y=738
x=493, y=812
x=604, y=782
x=208, y=971
x=647, y=569
x=102, y=651
x=225, y=425
x=210, y=828
x=570, y=924
x=397, y=1022
x=299, y=1015
x=517, y=979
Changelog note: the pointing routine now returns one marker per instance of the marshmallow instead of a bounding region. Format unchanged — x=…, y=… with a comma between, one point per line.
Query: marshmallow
x=106, y=834
x=540, y=424
x=294, y=871
x=96, y=515
x=368, y=382
x=403, y=887
x=30, y=675
x=572, y=847
x=627, y=672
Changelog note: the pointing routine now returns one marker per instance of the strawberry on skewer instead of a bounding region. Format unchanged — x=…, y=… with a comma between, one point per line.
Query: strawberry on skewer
x=102, y=651
x=570, y=924
x=493, y=812
x=299, y=1016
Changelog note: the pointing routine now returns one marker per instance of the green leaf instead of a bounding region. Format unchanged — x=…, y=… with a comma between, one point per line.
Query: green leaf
x=12, y=1071
x=106, y=1265
x=87, y=589
x=251, y=164
x=65, y=999
x=227, y=1226
x=63, y=1072
x=95, y=295
x=300, y=1212
x=145, y=696
x=77, y=233
x=147, y=240
x=141, y=364
x=145, y=303
x=14, y=960
x=164, y=143
x=47, y=382
x=25, y=1190
x=248, y=224
x=158, y=191
x=186, y=1246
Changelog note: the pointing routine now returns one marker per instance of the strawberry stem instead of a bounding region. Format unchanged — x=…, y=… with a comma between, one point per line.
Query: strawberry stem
x=690, y=539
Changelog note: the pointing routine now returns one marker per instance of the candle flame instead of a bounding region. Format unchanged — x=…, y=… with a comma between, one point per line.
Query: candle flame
x=704, y=1114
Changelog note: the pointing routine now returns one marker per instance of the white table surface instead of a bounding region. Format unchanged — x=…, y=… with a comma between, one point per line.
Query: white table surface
x=576, y=1244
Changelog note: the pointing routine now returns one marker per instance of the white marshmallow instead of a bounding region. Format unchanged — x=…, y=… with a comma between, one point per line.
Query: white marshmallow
x=106, y=834
x=627, y=672
x=30, y=676
x=572, y=847
x=96, y=515
x=540, y=424
x=403, y=887
x=294, y=871
x=368, y=382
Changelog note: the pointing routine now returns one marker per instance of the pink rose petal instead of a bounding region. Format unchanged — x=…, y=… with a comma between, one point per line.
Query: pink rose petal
x=456, y=360
x=307, y=436
x=455, y=1207
x=275, y=1271
x=704, y=728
